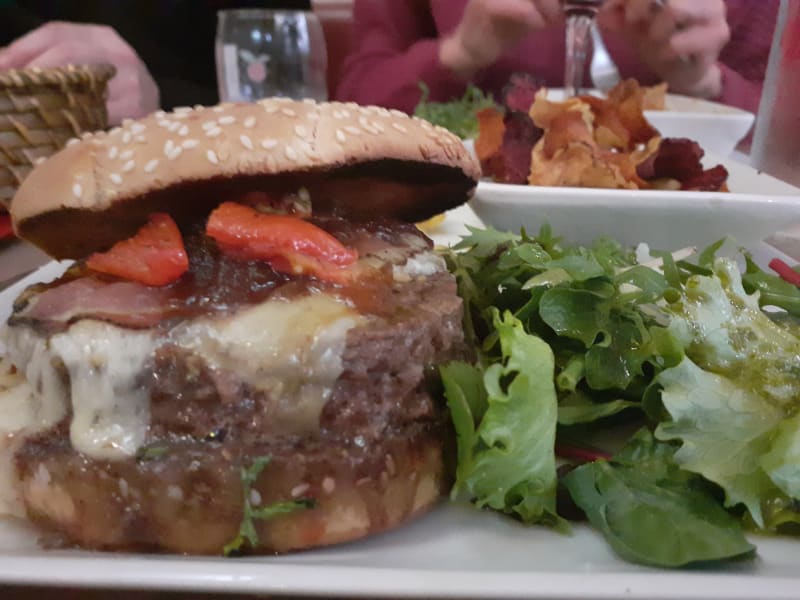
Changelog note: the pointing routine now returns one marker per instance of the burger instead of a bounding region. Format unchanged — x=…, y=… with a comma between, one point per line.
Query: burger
x=242, y=356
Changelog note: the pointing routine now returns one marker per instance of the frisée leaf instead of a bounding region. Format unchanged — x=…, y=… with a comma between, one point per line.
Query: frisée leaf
x=506, y=455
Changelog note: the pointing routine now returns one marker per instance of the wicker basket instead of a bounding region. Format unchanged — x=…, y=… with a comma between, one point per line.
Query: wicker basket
x=40, y=109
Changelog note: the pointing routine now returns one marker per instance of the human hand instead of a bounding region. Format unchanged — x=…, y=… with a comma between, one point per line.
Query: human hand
x=680, y=40
x=488, y=28
x=132, y=93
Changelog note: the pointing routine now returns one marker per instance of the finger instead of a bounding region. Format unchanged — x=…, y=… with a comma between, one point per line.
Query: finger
x=20, y=52
x=611, y=16
x=639, y=12
x=702, y=42
x=551, y=10
x=692, y=12
x=69, y=53
x=661, y=27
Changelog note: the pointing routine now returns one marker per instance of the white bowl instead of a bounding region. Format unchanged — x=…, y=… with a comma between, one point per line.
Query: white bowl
x=760, y=206
x=716, y=127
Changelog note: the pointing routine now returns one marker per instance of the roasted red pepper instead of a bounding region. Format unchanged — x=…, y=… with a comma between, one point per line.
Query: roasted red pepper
x=289, y=244
x=154, y=256
x=786, y=272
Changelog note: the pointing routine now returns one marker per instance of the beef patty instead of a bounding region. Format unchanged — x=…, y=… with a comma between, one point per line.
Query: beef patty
x=366, y=442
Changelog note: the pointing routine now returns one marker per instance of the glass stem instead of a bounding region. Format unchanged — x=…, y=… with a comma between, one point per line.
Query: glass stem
x=579, y=25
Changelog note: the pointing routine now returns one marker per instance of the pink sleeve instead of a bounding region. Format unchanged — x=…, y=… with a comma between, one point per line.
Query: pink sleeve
x=396, y=46
x=744, y=59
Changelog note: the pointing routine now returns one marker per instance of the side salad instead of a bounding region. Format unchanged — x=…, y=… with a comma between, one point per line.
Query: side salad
x=648, y=392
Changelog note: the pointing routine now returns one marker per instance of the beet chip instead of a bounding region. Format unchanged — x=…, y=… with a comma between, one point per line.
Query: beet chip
x=519, y=92
x=680, y=159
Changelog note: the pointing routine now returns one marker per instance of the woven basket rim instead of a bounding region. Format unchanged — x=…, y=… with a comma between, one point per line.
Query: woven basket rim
x=57, y=76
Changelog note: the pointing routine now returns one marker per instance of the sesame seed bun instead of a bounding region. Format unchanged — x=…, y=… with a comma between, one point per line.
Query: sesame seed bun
x=357, y=162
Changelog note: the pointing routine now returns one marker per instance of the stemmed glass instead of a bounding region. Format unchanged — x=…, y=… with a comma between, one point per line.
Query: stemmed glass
x=580, y=17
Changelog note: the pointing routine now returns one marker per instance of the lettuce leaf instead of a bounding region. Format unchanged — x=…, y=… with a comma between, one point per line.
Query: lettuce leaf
x=652, y=512
x=506, y=428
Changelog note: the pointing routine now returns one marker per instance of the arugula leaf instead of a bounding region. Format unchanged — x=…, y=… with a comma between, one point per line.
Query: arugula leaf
x=579, y=408
x=651, y=512
x=247, y=530
x=506, y=457
x=459, y=116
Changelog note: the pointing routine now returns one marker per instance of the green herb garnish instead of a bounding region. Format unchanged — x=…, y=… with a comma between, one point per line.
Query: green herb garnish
x=459, y=116
x=154, y=452
x=247, y=530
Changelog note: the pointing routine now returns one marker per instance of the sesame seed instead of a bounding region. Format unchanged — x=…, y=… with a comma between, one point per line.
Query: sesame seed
x=86, y=135
x=188, y=144
x=77, y=190
x=309, y=101
x=163, y=123
x=328, y=485
x=160, y=114
x=72, y=141
x=126, y=137
x=288, y=112
x=174, y=126
x=218, y=109
x=137, y=128
x=115, y=178
x=168, y=146
x=353, y=130
x=212, y=133
x=246, y=142
x=174, y=153
x=378, y=126
x=301, y=131
x=182, y=109
x=291, y=153
x=151, y=166
x=271, y=109
x=226, y=120
x=345, y=113
x=114, y=131
x=209, y=125
x=341, y=136
x=363, y=122
x=112, y=152
x=313, y=116
x=128, y=166
x=249, y=122
x=299, y=490
x=183, y=131
x=399, y=128
x=140, y=138
x=127, y=154
x=212, y=157
x=198, y=106
x=337, y=114
x=269, y=144
x=398, y=113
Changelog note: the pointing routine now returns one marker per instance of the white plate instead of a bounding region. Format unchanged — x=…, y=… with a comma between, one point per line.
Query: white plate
x=716, y=127
x=454, y=552
x=758, y=206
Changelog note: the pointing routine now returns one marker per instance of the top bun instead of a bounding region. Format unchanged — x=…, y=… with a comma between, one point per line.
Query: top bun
x=356, y=162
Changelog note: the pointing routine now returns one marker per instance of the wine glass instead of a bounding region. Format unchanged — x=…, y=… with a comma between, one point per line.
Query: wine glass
x=262, y=53
x=580, y=17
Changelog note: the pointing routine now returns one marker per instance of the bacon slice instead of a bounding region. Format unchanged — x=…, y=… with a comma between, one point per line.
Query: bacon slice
x=126, y=303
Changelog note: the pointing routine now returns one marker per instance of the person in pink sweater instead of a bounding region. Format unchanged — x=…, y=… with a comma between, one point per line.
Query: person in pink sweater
x=714, y=49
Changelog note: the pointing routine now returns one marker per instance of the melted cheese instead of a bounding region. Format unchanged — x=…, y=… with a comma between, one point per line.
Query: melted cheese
x=110, y=404
x=290, y=350
x=422, y=264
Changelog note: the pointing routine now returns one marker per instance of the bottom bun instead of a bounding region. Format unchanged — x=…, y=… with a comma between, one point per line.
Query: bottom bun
x=187, y=496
